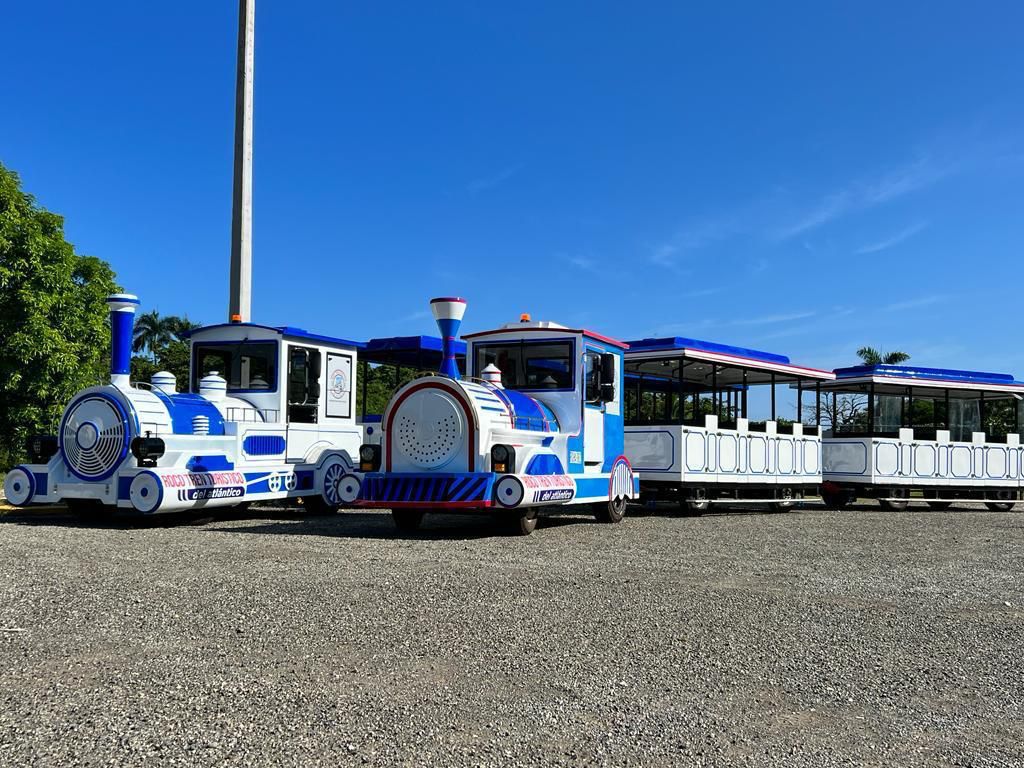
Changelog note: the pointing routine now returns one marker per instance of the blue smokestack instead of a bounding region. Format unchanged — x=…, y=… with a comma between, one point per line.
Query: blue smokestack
x=448, y=312
x=122, y=308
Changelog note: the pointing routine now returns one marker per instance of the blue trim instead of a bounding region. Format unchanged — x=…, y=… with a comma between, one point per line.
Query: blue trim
x=41, y=479
x=373, y=418
x=428, y=487
x=184, y=406
x=545, y=464
x=124, y=487
x=681, y=343
x=916, y=372
x=264, y=445
x=122, y=454
x=209, y=464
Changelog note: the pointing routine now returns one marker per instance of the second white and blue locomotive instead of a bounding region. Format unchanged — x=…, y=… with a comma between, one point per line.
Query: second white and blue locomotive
x=537, y=423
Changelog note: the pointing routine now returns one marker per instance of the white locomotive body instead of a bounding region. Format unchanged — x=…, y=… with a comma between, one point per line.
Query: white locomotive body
x=270, y=415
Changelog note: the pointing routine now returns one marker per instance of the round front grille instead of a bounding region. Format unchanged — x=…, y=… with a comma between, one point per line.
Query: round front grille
x=94, y=437
x=429, y=429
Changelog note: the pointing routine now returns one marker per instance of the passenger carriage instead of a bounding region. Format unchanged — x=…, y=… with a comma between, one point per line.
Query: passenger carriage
x=901, y=433
x=690, y=431
x=537, y=423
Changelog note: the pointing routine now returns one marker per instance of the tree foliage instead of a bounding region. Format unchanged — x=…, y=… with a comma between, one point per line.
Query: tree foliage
x=53, y=318
x=871, y=356
x=163, y=340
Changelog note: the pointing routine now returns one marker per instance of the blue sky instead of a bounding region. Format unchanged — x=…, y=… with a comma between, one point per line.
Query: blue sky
x=803, y=178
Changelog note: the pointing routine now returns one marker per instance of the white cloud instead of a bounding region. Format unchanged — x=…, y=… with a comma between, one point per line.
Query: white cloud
x=476, y=186
x=922, y=301
x=895, y=240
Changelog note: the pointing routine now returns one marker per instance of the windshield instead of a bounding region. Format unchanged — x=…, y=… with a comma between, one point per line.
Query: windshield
x=528, y=365
x=246, y=366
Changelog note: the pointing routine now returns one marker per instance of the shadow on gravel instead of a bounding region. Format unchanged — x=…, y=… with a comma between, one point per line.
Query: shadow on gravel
x=62, y=517
x=378, y=525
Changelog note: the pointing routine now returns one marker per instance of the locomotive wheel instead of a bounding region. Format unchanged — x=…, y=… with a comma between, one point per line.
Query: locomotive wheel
x=693, y=507
x=785, y=500
x=315, y=505
x=939, y=506
x=999, y=506
x=611, y=512
x=407, y=520
x=523, y=525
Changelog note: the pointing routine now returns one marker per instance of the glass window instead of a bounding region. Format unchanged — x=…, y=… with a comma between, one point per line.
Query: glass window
x=592, y=377
x=244, y=365
x=888, y=413
x=528, y=365
x=964, y=419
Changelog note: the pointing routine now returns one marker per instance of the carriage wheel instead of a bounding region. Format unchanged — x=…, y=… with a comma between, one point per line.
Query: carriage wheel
x=785, y=500
x=897, y=502
x=999, y=506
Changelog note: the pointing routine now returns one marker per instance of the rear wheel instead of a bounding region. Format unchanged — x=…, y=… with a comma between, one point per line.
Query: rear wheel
x=999, y=506
x=893, y=504
x=612, y=512
x=693, y=507
x=407, y=520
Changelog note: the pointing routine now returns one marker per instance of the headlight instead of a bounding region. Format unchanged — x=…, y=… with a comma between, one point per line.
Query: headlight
x=147, y=450
x=503, y=459
x=369, y=458
x=41, y=448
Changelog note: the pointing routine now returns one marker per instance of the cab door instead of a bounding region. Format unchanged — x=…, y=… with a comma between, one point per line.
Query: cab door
x=593, y=412
x=303, y=400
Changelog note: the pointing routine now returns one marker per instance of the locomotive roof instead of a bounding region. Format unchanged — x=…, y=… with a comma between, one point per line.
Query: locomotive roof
x=908, y=375
x=285, y=330
x=546, y=327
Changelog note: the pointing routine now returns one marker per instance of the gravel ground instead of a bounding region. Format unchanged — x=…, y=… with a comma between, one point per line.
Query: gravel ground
x=812, y=638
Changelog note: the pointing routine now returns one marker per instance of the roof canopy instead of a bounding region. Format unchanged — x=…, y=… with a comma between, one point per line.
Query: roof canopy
x=758, y=365
x=415, y=351
x=285, y=330
x=896, y=378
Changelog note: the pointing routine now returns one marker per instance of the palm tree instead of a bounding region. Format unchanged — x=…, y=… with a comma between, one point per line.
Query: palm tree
x=152, y=332
x=180, y=326
x=871, y=356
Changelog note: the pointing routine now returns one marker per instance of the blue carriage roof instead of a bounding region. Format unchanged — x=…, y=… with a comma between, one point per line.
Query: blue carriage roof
x=670, y=343
x=284, y=330
x=409, y=350
x=919, y=373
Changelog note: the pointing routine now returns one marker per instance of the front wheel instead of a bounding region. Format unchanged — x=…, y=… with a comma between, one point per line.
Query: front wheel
x=785, y=500
x=317, y=505
x=613, y=511
x=893, y=505
x=407, y=520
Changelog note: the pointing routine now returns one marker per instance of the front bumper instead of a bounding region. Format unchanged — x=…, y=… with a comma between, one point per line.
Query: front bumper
x=472, y=490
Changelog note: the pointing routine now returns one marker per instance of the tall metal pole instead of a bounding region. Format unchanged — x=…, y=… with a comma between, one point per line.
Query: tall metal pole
x=240, y=301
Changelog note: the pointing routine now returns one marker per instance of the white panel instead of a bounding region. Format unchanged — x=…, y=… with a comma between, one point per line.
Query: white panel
x=925, y=460
x=593, y=435
x=784, y=446
x=695, y=452
x=812, y=464
x=728, y=451
x=960, y=459
x=846, y=458
x=887, y=459
x=997, y=462
x=651, y=450
x=758, y=454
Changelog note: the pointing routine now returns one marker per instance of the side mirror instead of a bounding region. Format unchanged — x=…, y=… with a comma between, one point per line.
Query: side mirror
x=314, y=365
x=607, y=393
x=608, y=369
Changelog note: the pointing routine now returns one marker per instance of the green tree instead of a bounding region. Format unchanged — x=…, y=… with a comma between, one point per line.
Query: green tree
x=53, y=318
x=152, y=333
x=871, y=356
x=164, y=340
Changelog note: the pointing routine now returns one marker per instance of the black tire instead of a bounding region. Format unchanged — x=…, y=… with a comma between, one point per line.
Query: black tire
x=893, y=505
x=835, y=499
x=524, y=524
x=1000, y=506
x=407, y=520
x=316, y=505
x=693, y=507
x=785, y=502
x=939, y=506
x=612, y=512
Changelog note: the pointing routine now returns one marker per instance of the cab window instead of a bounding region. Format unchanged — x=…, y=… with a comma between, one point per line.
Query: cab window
x=592, y=377
x=303, y=384
x=247, y=366
x=529, y=365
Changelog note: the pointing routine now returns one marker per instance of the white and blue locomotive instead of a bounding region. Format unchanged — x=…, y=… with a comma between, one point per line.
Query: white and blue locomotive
x=538, y=422
x=270, y=415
